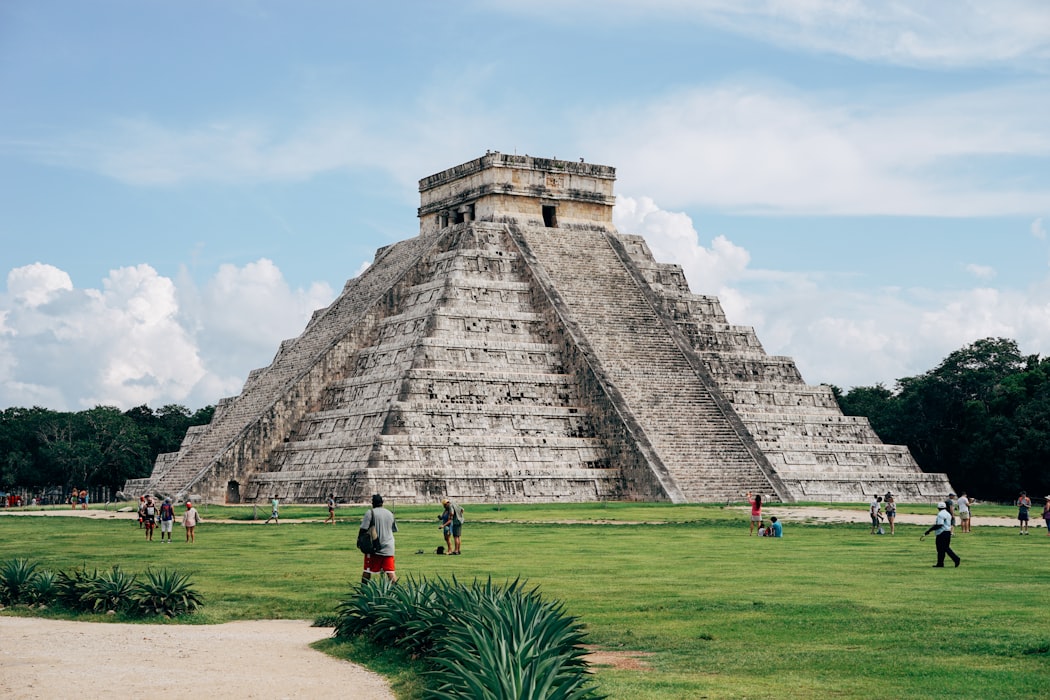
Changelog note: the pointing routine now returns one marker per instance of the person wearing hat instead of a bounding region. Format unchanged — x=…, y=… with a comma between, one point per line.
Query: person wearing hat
x=943, y=529
x=1023, y=504
x=454, y=516
x=382, y=560
x=167, y=519
x=190, y=519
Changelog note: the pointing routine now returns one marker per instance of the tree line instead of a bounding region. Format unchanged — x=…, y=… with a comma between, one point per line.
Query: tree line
x=982, y=416
x=45, y=451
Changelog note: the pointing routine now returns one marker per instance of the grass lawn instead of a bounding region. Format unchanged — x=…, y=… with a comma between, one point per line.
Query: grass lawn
x=827, y=611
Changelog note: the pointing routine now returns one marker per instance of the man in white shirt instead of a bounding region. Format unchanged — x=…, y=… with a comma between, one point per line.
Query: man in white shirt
x=875, y=511
x=943, y=529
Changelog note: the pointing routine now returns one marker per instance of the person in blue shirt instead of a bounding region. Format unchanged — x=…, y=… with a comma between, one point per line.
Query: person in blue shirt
x=943, y=529
x=776, y=527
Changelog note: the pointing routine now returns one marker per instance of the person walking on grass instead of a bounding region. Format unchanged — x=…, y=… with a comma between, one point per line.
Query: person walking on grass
x=331, y=509
x=275, y=506
x=190, y=519
x=1046, y=515
x=382, y=560
x=756, y=511
x=891, y=511
x=943, y=529
x=1024, y=503
x=167, y=519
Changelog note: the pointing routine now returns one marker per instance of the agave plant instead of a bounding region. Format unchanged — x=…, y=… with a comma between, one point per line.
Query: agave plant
x=43, y=589
x=16, y=577
x=73, y=587
x=110, y=590
x=167, y=593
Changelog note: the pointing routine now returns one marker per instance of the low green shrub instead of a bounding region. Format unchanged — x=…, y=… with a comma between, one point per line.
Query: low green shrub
x=163, y=592
x=167, y=593
x=481, y=641
x=111, y=590
x=16, y=578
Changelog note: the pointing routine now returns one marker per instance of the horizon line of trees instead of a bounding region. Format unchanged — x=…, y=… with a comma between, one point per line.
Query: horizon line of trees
x=982, y=416
x=101, y=447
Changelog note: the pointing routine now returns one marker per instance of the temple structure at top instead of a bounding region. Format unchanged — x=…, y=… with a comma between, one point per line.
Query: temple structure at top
x=521, y=349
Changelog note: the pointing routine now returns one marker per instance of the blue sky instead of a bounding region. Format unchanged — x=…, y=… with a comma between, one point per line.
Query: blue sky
x=866, y=183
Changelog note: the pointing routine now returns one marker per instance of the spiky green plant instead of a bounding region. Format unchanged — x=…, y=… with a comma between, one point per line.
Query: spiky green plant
x=43, y=588
x=505, y=643
x=73, y=587
x=166, y=592
x=16, y=576
x=483, y=640
x=110, y=590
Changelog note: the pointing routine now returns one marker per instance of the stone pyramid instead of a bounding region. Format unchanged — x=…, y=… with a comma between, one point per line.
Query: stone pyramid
x=521, y=349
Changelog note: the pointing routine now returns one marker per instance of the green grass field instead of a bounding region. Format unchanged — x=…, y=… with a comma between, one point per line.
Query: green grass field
x=827, y=611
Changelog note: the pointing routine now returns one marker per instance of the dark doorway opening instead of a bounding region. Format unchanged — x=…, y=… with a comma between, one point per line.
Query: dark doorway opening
x=550, y=216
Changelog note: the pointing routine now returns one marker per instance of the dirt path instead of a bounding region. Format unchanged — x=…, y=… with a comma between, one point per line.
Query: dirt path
x=267, y=659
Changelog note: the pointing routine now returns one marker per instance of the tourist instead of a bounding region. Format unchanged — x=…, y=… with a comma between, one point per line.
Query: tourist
x=382, y=560
x=167, y=519
x=74, y=497
x=1023, y=504
x=149, y=517
x=190, y=519
x=762, y=532
x=964, y=511
x=875, y=511
x=446, y=527
x=1046, y=515
x=891, y=511
x=83, y=499
x=142, y=512
x=275, y=505
x=456, y=520
x=331, y=509
x=943, y=529
x=776, y=529
x=949, y=504
x=756, y=511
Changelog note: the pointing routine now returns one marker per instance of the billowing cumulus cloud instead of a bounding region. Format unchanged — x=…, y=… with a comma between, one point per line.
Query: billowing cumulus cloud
x=838, y=334
x=140, y=337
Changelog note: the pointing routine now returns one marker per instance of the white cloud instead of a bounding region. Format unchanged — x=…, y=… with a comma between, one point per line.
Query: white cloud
x=762, y=150
x=983, y=272
x=835, y=333
x=1038, y=230
x=917, y=33
x=140, y=338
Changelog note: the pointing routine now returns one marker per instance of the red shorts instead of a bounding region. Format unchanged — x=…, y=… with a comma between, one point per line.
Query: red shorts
x=375, y=563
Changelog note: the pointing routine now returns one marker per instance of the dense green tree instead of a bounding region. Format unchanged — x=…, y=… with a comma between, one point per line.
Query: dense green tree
x=982, y=416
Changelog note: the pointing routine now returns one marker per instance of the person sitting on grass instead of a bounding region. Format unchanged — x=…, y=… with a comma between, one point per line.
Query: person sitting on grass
x=775, y=528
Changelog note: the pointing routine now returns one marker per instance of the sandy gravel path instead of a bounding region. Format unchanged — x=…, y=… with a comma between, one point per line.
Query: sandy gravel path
x=258, y=659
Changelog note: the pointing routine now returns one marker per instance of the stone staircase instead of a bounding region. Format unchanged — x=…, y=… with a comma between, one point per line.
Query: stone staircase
x=242, y=434
x=694, y=440
x=819, y=453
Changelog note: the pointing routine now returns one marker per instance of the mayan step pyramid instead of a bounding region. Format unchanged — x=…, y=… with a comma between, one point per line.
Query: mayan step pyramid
x=521, y=349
